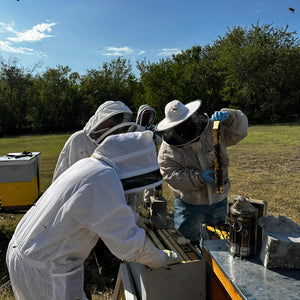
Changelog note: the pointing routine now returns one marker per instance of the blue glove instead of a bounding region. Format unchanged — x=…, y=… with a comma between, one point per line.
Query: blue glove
x=208, y=176
x=150, y=127
x=220, y=116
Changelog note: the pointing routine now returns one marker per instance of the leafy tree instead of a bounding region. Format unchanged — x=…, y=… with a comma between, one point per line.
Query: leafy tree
x=260, y=67
x=198, y=77
x=113, y=81
x=188, y=76
x=13, y=95
x=254, y=69
x=53, y=105
x=156, y=80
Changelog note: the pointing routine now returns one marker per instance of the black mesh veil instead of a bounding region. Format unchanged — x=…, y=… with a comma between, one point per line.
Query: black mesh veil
x=187, y=131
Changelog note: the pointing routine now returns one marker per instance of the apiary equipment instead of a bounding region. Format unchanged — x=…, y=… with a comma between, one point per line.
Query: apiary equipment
x=19, y=179
x=243, y=228
x=217, y=156
x=231, y=277
x=185, y=280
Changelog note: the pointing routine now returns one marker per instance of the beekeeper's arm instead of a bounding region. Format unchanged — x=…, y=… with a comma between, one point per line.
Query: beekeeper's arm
x=62, y=162
x=173, y=172
x=74, y=149
x=234, y=128
x=114, y=221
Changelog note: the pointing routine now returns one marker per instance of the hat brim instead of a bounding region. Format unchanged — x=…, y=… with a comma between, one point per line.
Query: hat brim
x=166, y=124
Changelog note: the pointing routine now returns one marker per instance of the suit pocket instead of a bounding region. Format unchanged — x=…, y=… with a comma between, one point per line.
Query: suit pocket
x=69, y=286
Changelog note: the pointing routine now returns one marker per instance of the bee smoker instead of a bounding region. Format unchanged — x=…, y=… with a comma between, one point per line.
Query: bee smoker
x=243, y=228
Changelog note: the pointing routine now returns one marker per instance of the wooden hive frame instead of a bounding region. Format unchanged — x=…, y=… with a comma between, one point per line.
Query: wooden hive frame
x=217, y=157
x=171, y=239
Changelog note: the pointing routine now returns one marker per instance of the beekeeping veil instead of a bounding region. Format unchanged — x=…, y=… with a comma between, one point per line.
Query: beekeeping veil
x=112, y=117
x=183, y=124
x=145, y=115
x=133, y=156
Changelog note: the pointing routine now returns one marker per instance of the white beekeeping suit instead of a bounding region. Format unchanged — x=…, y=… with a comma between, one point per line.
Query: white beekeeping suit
x=110, y=118
x=145, y=118
x=46, y=253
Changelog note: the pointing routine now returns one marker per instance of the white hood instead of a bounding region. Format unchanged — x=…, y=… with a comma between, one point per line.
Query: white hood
x=134, y=157
x=104, y=112
x=141, y=111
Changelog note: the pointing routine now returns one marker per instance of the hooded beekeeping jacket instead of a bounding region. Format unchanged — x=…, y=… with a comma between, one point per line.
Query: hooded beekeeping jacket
x=51, y=242
x=181, y=166
x=150, y=126
x=142, y=109
x=80, y=145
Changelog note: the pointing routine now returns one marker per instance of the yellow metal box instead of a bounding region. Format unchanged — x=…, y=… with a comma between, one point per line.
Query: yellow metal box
x=19, y=179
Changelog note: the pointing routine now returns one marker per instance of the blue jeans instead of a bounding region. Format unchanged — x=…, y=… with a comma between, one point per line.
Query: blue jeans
x=188, y=218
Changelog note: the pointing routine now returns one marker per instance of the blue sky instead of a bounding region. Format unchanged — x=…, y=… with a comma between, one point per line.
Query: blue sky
x=84, y=34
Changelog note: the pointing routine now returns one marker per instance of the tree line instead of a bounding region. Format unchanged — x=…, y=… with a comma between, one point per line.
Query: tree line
x=255, y=69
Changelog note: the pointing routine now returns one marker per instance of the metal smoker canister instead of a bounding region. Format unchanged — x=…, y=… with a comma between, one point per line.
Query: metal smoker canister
x=243, y=229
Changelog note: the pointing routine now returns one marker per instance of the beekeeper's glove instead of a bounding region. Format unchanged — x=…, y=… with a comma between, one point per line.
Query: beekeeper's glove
x=172, y=257
x=144, y=223
x=150, y=127
x=220, y=116
x=208, y=176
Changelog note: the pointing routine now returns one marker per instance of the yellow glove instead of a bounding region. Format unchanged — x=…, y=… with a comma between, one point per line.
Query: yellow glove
x=172, y=257
x=146, y=224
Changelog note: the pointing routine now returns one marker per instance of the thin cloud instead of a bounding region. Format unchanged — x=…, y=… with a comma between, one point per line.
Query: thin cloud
x=37, y=33
x=6, y=46
x=114, y=51
x=126, y=51
x=169, y=51
x=6, y=27
x=122, y=51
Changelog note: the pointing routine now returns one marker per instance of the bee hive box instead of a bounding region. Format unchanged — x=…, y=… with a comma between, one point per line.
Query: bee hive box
x=185, y=280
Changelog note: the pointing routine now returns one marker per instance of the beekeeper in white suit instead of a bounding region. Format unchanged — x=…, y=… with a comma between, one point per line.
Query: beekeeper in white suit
x=145, y=119
x=111, y=117
x=51, y=242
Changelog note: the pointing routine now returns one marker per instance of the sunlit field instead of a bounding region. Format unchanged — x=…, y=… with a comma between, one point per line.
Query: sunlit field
x=264, y=166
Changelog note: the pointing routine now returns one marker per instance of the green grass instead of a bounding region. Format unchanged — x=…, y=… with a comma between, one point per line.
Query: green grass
x=49, y=145
x=264, y=166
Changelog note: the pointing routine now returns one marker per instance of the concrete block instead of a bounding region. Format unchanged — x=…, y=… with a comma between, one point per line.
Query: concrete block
x=280, y=243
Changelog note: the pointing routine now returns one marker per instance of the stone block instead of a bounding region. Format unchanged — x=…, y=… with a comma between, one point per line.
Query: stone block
x=280, y=243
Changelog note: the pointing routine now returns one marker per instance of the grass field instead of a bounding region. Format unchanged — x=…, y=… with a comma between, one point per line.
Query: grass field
x=265, y=166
